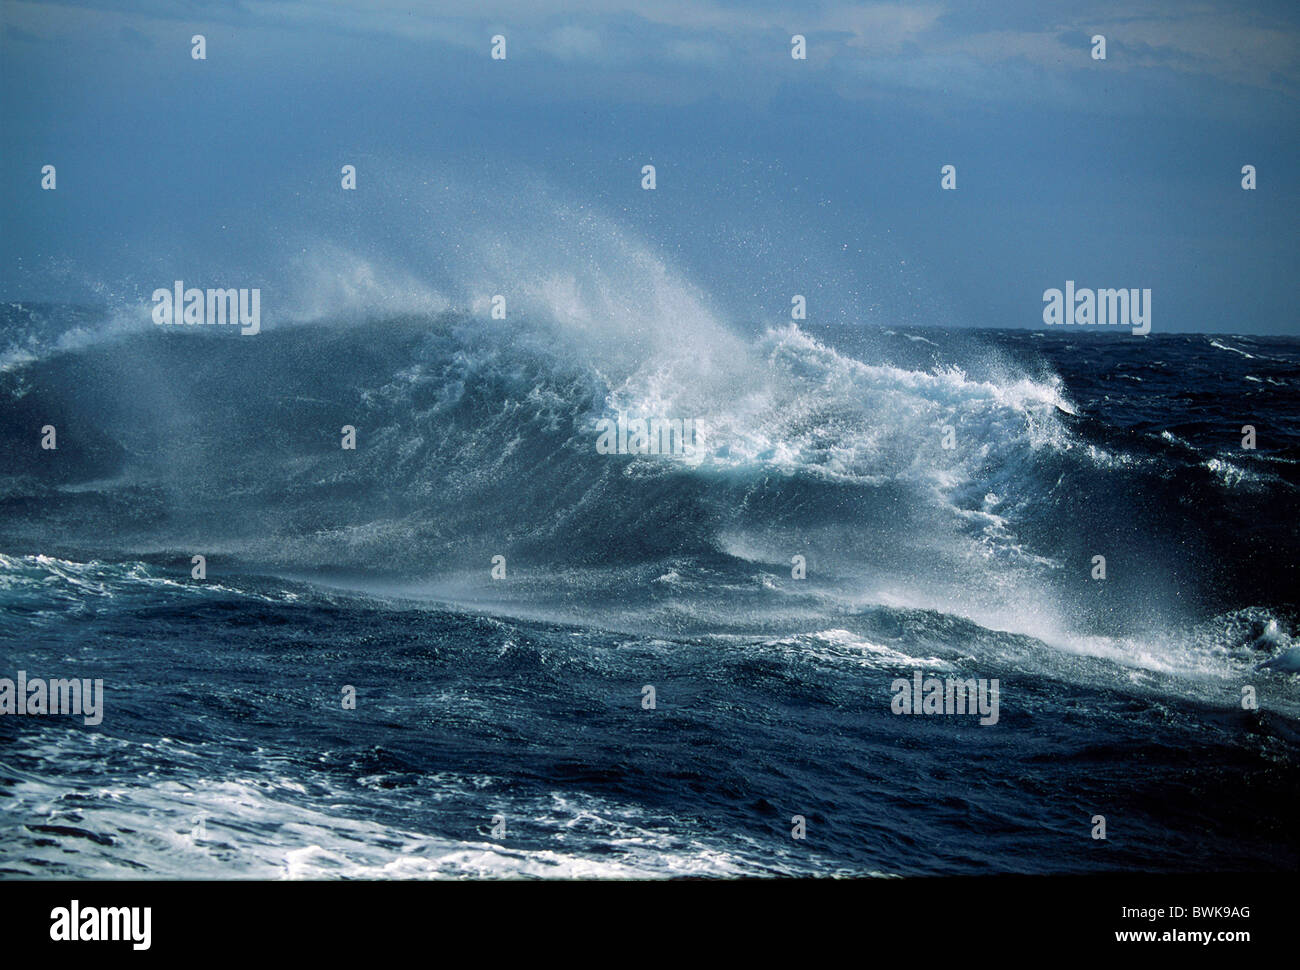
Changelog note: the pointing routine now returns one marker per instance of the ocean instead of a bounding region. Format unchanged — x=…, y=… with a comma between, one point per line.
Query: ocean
x=428, y=655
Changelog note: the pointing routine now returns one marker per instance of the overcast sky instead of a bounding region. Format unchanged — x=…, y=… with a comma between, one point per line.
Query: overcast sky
x=775, y=176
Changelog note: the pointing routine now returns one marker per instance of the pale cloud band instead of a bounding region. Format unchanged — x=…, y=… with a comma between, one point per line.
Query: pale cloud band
x=911, y=46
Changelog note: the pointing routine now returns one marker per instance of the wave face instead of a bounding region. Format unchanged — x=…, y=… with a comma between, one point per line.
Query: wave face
x=480, y=438
x=946, y=490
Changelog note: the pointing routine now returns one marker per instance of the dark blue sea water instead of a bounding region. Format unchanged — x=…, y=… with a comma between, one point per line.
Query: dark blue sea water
x=225, y=750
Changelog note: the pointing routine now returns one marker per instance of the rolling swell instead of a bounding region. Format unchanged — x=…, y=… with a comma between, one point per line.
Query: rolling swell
x=478, y=438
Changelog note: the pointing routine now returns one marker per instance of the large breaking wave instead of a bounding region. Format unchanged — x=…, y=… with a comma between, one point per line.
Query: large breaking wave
x=477, y=437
